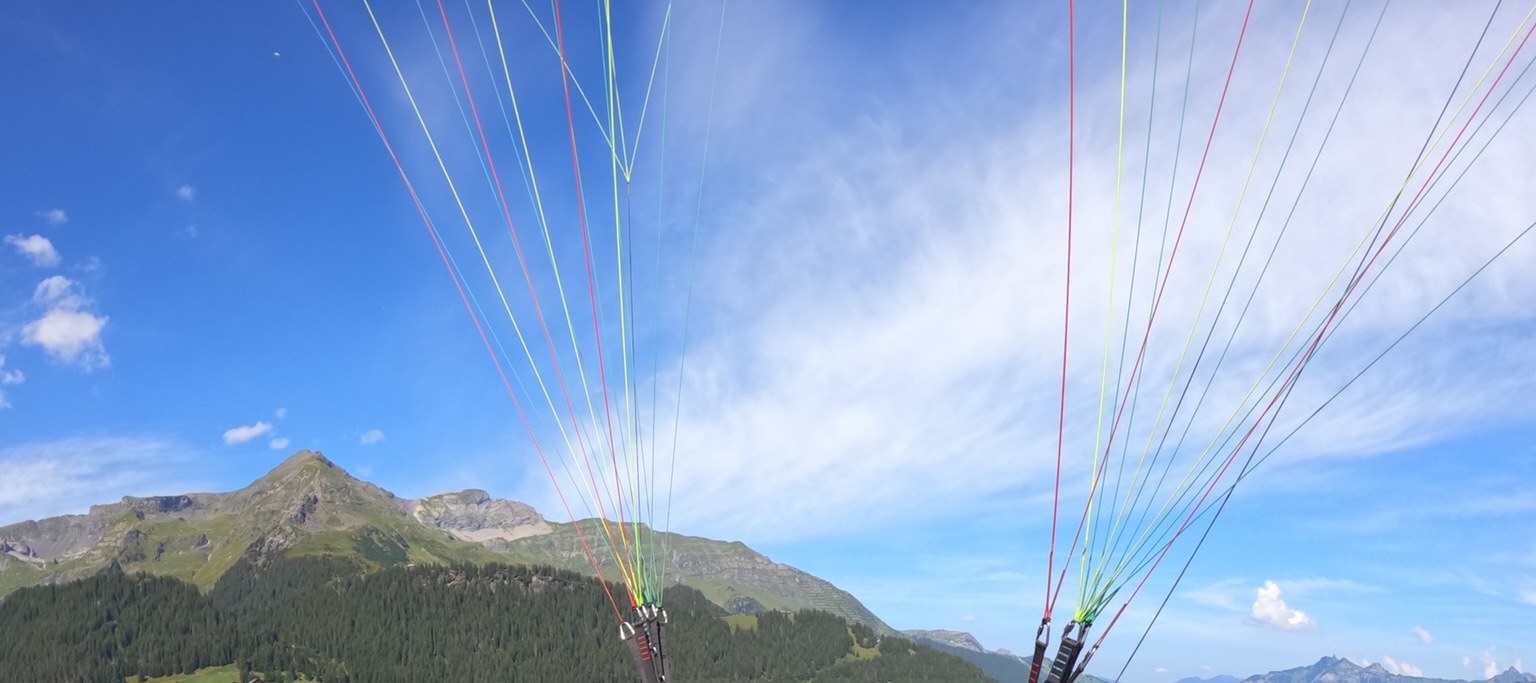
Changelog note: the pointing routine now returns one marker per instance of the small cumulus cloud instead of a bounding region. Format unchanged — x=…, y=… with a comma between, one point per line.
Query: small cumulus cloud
x=969, y=618
x=8, y=377
x=68, y=331
x=281, y=413
x=1161, y=670
x=186, y=193
x=371, y=437
x=278, y=443
x=1270, y=611
x=36, y=248
x=1528, y=597
x=245, y=433
x=54, y=216
x=1490, y=664
x=1400, y=668
x=1424, y=636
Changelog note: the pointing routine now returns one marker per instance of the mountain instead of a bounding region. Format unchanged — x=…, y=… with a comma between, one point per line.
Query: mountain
x=307, y=505
x=1213, y=679
x=1338, y=670
x=1001, y=665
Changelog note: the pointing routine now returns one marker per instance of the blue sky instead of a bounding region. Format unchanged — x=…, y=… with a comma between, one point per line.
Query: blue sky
x=210, y=261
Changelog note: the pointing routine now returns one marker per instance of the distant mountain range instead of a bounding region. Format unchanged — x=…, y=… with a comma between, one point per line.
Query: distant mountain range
x=309, y=506
x=1338, y=670
x=1007, y=667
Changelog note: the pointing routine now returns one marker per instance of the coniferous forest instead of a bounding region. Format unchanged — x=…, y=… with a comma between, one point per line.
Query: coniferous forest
x=328, y=619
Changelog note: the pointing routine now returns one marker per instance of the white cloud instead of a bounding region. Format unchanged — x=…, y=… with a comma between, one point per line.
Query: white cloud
x=969, y=619
x=49, y=478
x=35, y=247
x=54, y=216
x=1161, y=670
x=186, y=193
x=1226, y=594
x=281, y=413
x=1528, y=597
x=278, y=443
x=238, y=435
x=1400, y=668
x=371, y=437
x=1466, y=661
x=8, y=377
x=917, y=369
x=1490, y=664
x=1424, y=636
x=68, y=330
x=1269, y=610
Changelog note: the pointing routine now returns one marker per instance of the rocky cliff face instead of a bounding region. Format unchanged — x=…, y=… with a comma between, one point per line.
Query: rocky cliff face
x=472, y=515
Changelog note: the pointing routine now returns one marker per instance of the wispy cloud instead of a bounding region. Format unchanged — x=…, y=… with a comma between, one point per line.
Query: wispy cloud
x=54, y=216
x=8, y=377
x=242, y=434
x=186, y=193
x=1528, y=597
x=371, y=437
x=278, y=443
x=1270, y=611
x=1424, y=636
x=48, y=478
x=68, y=329
x=1228, y=594
x=36, y=248
x=281, y=413
x=917, y=369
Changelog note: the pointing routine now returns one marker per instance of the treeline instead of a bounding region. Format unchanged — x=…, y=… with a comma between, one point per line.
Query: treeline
x=325, y=619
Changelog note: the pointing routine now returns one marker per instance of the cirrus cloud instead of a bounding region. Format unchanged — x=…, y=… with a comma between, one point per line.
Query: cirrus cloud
x=371, y=437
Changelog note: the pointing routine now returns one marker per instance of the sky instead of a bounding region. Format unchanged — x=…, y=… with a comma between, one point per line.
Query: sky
x=848, y=245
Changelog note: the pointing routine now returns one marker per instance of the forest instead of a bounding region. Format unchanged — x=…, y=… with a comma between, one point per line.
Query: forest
x=327, y=619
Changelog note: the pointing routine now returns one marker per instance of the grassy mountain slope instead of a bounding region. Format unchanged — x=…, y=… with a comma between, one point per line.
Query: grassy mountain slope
x=309, y=506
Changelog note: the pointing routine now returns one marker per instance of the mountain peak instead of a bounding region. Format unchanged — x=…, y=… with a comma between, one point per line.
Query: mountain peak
x=303, y=457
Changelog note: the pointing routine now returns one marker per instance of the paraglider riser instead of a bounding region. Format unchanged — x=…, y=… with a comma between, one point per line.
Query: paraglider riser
x=647, y=644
